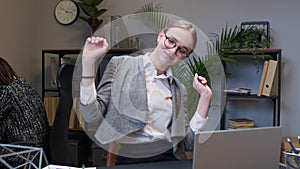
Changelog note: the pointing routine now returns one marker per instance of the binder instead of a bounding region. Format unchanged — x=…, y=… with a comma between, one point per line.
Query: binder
x=270, y=83
x=263, y=77
x=73, y=119
x=50, y=104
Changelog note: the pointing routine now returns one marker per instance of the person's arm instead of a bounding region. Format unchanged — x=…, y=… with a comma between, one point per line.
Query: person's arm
x=200, y=117
x=94, y=48
x=3, y=103
x=88, y=94
x=200, y=84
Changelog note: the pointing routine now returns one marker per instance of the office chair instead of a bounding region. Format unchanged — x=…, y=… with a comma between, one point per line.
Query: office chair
x=67, y=147
x=60, y=149
x=62, y=140
x=58, y=141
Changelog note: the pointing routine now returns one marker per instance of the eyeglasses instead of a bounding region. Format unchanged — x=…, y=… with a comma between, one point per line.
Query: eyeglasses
x=171, y=43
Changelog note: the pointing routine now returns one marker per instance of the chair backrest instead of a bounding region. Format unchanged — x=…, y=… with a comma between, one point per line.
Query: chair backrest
x=58, y=142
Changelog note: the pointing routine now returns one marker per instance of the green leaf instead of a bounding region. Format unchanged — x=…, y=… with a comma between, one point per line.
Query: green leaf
x=86, y=19
x=87, y=2
x=100, y=12
x=88, y=10
x=97, y=24
x=96, y=2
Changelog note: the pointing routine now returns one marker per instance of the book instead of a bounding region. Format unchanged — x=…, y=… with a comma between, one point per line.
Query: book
x=262, y=79
x=240, y=90
x=240, y=123
x=240, y=127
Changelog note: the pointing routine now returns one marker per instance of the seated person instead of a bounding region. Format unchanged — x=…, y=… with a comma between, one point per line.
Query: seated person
x=139, y=104
x=23, y=119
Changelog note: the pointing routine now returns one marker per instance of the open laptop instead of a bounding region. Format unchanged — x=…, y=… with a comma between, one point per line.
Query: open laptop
x=255, y=148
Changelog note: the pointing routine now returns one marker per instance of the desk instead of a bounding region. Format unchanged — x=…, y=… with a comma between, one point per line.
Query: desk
x=180, y=164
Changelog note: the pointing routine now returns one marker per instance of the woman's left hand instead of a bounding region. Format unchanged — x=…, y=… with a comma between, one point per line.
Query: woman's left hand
x=200, y=84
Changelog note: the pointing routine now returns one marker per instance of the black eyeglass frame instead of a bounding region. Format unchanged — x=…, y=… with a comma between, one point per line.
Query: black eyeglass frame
x=180, y=48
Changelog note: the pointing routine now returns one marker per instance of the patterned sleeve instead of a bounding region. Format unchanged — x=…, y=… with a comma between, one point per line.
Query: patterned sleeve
x=4, y=101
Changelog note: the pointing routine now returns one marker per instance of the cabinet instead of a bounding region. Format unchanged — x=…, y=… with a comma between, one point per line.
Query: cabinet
x=272, y=112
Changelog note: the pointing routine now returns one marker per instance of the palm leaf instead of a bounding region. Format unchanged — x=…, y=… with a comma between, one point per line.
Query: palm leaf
x=151, y=15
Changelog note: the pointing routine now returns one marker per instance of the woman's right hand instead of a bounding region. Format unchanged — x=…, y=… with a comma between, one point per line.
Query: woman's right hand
x=94, y=48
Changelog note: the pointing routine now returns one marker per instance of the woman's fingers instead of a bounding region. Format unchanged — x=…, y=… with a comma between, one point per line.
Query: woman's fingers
x=95, y=39
x=202, y=80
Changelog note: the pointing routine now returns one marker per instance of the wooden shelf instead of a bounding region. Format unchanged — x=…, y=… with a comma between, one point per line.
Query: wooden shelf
x=251, y=96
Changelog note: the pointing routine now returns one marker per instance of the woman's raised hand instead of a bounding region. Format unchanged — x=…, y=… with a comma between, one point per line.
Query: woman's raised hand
x=94, y=48
x=200, y=84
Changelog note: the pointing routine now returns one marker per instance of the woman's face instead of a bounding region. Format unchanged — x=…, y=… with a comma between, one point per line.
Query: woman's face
x=174, y=45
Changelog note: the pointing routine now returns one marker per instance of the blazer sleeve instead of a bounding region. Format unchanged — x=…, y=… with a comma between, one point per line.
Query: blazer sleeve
x=93, y=113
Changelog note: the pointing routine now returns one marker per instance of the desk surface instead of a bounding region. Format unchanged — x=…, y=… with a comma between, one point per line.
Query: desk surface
x=180, y=164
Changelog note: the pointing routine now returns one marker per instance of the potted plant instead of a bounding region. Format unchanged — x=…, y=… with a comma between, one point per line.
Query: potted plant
x=228, y=40
x=233, y=39
x=92, y=13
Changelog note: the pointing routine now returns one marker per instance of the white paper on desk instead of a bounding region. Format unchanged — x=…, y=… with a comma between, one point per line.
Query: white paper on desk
x=65, y=167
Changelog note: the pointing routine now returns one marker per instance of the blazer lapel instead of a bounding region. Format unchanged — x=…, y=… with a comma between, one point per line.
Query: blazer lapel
x=132, y=86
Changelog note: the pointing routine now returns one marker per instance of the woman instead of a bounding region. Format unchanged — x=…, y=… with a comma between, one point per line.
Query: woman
x=23, y=119
x=140, y=100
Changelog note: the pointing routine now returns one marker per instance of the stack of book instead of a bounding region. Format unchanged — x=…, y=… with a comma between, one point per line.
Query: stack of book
x=239, y=123
x=238, y=91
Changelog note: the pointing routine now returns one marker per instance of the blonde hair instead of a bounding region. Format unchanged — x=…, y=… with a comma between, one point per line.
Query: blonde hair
x=182, y=24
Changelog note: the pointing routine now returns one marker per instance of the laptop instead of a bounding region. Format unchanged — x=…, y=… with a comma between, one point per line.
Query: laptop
x=253, y=148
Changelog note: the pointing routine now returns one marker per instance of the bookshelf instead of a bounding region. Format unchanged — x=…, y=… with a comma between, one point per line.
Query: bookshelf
x=49, y=91
x=62, y=53
x=81, y=146
x=232, y=100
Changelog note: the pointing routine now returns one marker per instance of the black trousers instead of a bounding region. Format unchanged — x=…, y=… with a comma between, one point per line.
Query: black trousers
x=166, y=156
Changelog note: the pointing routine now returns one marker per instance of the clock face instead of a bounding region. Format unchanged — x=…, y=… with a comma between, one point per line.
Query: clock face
x=66, y=12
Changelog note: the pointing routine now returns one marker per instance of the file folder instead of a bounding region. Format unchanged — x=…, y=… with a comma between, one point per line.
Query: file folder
x=270, y=84
x=263, y=77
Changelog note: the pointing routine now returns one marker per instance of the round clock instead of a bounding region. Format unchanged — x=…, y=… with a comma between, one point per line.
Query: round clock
x=66, y=12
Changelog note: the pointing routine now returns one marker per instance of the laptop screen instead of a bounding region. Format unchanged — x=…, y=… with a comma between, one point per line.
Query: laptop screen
x=236, y=149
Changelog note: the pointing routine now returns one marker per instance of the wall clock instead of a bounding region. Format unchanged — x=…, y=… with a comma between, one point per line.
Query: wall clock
x=66, y=12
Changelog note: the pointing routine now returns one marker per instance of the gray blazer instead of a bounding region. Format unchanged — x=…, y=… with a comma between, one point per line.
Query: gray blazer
x=121, y=106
